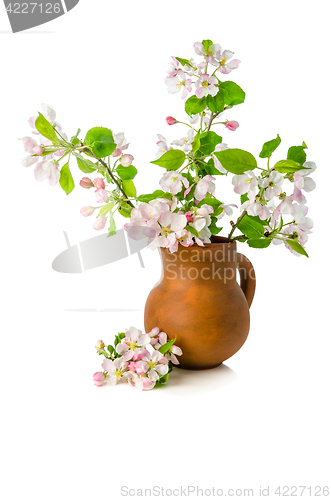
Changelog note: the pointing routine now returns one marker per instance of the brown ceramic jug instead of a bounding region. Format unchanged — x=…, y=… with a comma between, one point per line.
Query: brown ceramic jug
x=199, y=301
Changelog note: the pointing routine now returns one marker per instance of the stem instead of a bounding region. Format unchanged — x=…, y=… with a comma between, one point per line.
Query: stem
x=212, y=116
x=112, y=177
x=236, y=224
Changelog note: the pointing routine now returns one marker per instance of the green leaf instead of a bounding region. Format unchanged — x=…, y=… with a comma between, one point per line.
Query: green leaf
x=191, y=230
x=261, y=243
x=146, y=198
x=45, y=128
x=207, y=44
x=232, y=93
x=210, y=168
x=236, y=161
x=125, y=210
x=165, y=347
x=110, y=349
x=213, y=228
x=287, y=166
x=101, y=141
x=251, y=228
x=297, y=153
x=127, y=173
x=106, y=208
x=112, y=225
x=269, y=147
x=194, y=105
x=74, y=140
x=86, y=166
x=208, y=142
x=129, y=188
x=171, y=160
x=216, y=104
x=243, y=198
x=183, y=61
x=66, y=181
x=196, y=142
x=163, y=379
x=210, y=201
x=295, y=245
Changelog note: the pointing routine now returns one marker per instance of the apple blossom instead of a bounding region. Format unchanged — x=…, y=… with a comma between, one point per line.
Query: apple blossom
x=86, y=183
x=28, y=144
x=47, y=171
x=301, y=180
x=172, y=182
x=175, y=84
x=126, y=160
x=87, y=211
x=244, y=183
x=134, y=339
x=162, y=145
x=99, y=183
x=222, y=58
x=99, y=378
x=232, y=125
x=272, y=184
x=173, y=351
x=170, y=120
x=115, y=370
x=204, y=186
x=38, y=150
x=99, y=345
x=101, y=195
x=205, y=85
x=29, y=161
x=100, y=223
x=185, y=141
x=121, y=144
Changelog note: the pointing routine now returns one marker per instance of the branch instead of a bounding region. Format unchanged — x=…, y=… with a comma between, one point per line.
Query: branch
x=236, y=224
x=104, y=164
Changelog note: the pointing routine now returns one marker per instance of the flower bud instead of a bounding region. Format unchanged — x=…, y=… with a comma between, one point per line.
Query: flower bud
x=87, y=211
x=233, y=125
x=100, y=223
x=99, y=183
x=99, y=344
x=170, y=120
x=99, y=379
x=86, y=183
x=189, y=217
x=38, y=150
x=126, y=160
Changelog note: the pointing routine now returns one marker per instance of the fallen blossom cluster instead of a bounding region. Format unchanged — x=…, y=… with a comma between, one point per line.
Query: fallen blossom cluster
x=144, y=360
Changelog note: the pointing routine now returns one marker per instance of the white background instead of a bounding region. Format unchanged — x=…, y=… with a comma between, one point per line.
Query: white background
x=264, y=419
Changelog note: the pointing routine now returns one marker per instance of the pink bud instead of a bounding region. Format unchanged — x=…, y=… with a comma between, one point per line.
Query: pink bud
x=189, y=217
x=126, y=160
x=99, y=379
x=87, y=211
x=38, y=150
x=99, y=344
x=233, y=125
x=170, y=120
x=100, y=223
x=86, y=183
x=99, y=183
x=132, y=366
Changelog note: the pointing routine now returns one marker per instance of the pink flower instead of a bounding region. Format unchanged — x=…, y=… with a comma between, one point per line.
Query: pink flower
x=99, y=379
x=174, y=67
x=32, y=123
x=175, y=85
x=162, y=145
x=232, y=125
x=99, y=183
x=174, y=350
x=134, y=339
x=206, y=85
x=115, y=370
x=101, y=195
x=47, y=170
x=189, y=217
x=244, y=183
x=126, y=160
x=204, y=186
x=172, y=182
x=185, y=141
x=38, y=150
x=87, y=211
x=120, y=143
x=28, y=144
x=100, y=223
x=170, y=120
x=221, y=60
x=29, y=160
x=301, y=179
x=86, y=183
x=142, y=383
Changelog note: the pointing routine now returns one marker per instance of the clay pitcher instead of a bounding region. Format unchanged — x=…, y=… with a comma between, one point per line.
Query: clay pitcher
x=199, y=301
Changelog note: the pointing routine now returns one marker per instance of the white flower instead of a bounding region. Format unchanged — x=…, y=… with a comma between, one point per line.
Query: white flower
x=172, y=182
x=115, y=370
x=185, y=141
x=244, y=183
x=47, y=170
x=204, y=186
x=272, y=185
x=300, y=179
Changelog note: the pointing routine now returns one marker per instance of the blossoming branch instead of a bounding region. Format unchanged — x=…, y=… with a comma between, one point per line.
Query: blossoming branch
x=185, y=210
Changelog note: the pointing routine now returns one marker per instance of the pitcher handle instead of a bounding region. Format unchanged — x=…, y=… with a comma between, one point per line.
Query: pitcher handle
x=247, y=277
